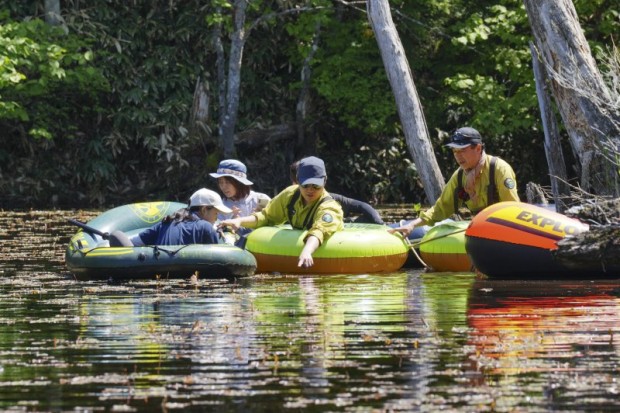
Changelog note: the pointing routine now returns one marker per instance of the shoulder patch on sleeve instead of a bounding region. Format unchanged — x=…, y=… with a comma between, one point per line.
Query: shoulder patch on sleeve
x=327, y=218
x=509, y=183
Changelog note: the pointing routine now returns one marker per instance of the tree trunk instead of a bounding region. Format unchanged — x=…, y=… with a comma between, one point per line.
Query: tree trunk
x=53, y=16
x=579, y=90
x=302, y=101
x=234, y=79
x=553, y=148
x=52, y=12
x=407, y=101
x=199, y=123
x=220, y=64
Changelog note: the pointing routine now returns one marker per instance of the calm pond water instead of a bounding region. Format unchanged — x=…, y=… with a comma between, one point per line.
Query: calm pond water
x=407, y=341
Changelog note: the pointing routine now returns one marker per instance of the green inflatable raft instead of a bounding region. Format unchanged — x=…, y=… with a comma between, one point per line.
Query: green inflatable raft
x=89, y=256
x=358, y=249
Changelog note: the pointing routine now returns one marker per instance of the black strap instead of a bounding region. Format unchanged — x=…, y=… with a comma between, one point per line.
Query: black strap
x=310, y=217
x=291, y=205
x=459, y=192
x=492, y=196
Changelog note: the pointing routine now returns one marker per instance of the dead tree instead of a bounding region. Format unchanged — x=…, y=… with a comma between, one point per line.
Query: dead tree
x=553, y=148
x=582, y=97
x=407, y=100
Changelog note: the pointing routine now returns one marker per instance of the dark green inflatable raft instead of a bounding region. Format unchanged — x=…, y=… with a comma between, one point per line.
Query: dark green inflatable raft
x=89, y=256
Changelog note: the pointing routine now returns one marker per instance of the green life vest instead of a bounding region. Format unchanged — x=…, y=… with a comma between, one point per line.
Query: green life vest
x=310, y=217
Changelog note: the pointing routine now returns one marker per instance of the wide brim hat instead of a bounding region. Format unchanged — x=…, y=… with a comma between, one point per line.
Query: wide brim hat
x=234, y=169
x=207, y=197
x=464, y=137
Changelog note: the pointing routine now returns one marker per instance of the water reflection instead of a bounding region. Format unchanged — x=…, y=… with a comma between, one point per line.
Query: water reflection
x=406, y=341
x=561, y=335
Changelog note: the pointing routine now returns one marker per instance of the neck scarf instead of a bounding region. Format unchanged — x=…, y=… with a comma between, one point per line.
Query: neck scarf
x=471, y=175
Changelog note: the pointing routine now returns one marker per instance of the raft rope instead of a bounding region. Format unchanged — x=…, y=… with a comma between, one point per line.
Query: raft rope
x=418, y=243
x=414, y=245
x=171, y=252
x=156, y=249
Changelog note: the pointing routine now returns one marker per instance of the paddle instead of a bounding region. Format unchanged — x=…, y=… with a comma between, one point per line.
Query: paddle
x=86, y=228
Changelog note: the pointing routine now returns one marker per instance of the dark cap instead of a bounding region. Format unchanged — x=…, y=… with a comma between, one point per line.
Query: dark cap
x=311, y=170
x=463, y=137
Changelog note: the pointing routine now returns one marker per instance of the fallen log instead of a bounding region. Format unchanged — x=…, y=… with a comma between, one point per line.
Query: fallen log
x=599, y=247
x=258, y=138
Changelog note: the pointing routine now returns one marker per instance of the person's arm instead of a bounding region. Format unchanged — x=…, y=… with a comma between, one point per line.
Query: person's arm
x=236, y=223
x=443, y=208
x=350, y=205
x=305, y=258
x=137, y=241
x=371, y=215
x=327, y=220
x=407, y=228
x=147, y=237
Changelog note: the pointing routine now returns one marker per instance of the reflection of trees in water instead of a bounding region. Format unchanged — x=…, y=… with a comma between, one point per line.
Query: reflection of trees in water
x=346, y=332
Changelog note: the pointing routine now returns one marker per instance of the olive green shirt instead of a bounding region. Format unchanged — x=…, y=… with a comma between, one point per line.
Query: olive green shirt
x=505, y=183
x=327, y=219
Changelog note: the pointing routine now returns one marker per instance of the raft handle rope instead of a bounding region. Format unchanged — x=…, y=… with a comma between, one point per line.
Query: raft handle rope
x=414, y=245
x=418, y=243
x=156, y=250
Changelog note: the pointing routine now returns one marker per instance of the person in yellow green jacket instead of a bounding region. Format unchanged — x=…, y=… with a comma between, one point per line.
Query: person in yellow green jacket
x=307, y=206
x=480, y=181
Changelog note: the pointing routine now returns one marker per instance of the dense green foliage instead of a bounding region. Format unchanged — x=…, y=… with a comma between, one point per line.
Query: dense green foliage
x=100, y=114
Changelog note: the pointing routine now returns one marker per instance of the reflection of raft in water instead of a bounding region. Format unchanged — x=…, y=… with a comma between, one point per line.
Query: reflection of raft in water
x=89, y=255
x=514, y=239
x=358, y=249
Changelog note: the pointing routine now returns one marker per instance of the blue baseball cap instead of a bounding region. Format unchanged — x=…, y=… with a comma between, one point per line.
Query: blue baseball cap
x=233, y=168
x=311, y=170
x=464, y=137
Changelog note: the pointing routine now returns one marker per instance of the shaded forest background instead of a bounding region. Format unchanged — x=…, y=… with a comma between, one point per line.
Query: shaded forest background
x=123, y=101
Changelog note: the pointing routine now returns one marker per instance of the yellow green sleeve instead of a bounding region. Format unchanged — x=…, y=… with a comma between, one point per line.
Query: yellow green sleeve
x=444, y=206
x=327, y=220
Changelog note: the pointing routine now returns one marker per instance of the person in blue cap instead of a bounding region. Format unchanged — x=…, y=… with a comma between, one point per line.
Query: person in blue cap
x=481, y=180
x=363, y=212
x=236, y=188
x=307, y=206
x=192, y=225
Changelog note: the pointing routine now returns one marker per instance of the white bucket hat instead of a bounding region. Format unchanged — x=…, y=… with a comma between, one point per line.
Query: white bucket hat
x=207, y=197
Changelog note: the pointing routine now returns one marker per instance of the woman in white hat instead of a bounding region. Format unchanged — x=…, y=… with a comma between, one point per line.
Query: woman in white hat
x=191, y=225
x=232, y=179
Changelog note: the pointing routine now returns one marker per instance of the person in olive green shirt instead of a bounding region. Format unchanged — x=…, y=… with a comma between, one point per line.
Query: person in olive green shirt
x=305, y=206
x=470, y=186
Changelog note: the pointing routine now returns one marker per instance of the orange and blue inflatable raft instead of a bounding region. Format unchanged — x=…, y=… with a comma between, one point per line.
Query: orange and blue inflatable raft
x=515, y=239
